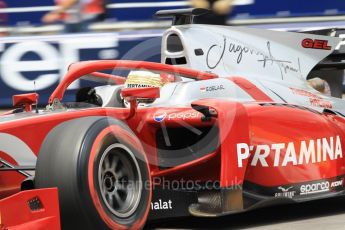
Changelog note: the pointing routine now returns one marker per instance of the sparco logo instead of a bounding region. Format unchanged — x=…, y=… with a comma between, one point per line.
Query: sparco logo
x=315, y=188
x=318, y=187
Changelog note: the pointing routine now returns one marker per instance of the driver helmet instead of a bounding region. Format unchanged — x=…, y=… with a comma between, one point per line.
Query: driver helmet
x=141, y=79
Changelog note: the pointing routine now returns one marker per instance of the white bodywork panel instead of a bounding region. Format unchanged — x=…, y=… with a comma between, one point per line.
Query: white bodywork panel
x=275, y=62
x=236, y=51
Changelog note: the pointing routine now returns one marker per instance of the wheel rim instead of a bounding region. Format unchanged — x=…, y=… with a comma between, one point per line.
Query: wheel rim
x=120, y=180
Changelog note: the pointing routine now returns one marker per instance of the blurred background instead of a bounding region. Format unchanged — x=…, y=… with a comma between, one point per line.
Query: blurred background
x=39, y=39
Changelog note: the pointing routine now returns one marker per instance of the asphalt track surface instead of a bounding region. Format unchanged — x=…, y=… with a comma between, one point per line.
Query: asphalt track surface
x=314, y=215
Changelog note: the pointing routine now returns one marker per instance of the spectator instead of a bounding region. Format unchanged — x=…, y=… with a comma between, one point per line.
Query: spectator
x=220, y=10
x=3, y=17
x=76, y=14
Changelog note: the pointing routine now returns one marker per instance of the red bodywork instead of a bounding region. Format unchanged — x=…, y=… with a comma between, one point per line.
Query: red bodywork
x=25, y=99
x=250, y=123
x=16, y=213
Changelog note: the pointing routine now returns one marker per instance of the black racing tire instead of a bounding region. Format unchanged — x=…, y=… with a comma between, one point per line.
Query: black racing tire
x=101, y=172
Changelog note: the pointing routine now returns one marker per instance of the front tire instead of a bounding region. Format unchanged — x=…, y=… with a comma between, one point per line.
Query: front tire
x=101, y=172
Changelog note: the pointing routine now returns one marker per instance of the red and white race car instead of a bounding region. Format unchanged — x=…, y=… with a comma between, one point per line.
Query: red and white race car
x=230, y=125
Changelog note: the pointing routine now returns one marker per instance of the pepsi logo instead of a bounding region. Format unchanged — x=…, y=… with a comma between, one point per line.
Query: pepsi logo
x=159, y=117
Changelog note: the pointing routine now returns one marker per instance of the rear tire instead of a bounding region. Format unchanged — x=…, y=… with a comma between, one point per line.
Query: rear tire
x=101, y=172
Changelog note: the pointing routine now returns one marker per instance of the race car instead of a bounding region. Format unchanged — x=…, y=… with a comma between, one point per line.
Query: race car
x=225, y=124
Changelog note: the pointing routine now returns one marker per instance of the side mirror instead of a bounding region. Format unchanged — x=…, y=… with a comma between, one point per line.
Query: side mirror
x=132, y=94
x=26, y=100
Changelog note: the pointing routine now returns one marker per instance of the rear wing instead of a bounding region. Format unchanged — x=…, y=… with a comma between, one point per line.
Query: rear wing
x=182, y=16
x=336, y=60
